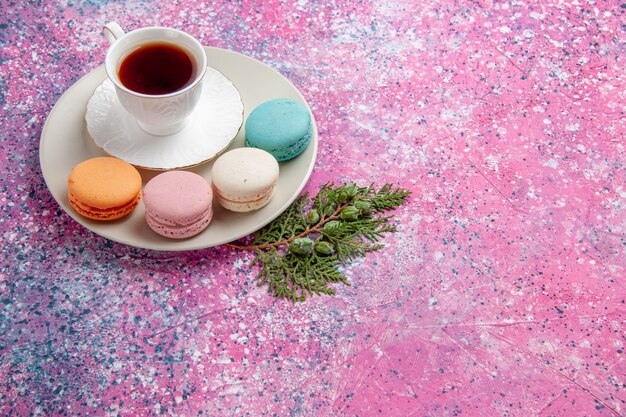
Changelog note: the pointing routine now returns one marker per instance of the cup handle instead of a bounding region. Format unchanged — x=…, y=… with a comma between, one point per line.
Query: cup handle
x=113, y=31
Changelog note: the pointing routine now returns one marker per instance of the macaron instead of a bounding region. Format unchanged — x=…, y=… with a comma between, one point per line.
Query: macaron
x=244, y=179
x=281, y=127
x=104, y=188
x=179, y=204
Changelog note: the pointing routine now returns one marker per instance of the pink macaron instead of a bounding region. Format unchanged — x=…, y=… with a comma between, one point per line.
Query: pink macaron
x=179, y=204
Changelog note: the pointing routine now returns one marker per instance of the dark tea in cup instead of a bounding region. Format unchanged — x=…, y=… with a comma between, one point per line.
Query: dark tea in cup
x=157, y=68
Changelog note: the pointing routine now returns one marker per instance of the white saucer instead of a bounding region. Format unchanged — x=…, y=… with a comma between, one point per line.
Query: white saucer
x=213, y=125
x=65, y=142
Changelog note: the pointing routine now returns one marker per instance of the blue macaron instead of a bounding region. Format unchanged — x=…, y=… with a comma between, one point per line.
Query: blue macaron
x=281, y=127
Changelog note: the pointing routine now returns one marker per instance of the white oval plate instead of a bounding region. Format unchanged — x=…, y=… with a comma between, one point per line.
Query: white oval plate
x=65, y=142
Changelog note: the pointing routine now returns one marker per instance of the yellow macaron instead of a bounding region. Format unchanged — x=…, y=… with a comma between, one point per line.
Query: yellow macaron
x=104, y=188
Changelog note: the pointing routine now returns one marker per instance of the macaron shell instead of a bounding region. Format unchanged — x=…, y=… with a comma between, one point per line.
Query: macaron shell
x=180, y=232
x=245, y=206
x=281, y=127
x=244, y=175
x=95, y=213
x=104, y=188
x=286, y=153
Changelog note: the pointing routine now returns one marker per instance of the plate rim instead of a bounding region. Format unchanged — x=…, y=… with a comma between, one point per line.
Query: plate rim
x=175, y=245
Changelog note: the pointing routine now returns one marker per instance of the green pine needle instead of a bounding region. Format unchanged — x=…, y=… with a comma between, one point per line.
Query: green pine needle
x=300, y=252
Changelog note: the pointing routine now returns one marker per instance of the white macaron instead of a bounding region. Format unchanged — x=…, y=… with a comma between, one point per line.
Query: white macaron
x=244, y=179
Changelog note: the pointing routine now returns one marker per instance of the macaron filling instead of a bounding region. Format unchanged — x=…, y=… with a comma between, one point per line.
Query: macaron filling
x=172, y=230
x=284, y=153
x=244, y=205
x=97, y=213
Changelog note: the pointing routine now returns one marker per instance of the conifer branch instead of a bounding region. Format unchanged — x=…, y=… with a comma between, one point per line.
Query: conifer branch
x=300, y=252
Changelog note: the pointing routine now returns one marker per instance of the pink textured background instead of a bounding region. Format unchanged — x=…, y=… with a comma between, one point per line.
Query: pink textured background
x=502, y=294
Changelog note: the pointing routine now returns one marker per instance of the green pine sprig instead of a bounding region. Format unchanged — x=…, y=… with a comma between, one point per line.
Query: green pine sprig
x=300, y=252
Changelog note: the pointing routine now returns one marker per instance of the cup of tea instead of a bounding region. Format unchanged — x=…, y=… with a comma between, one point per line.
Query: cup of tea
x=157, y=73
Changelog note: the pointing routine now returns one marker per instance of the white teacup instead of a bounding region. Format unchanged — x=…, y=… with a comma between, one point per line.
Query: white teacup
x=161, y=113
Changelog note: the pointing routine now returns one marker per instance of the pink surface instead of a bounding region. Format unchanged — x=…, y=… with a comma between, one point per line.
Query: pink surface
x=502, y=294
